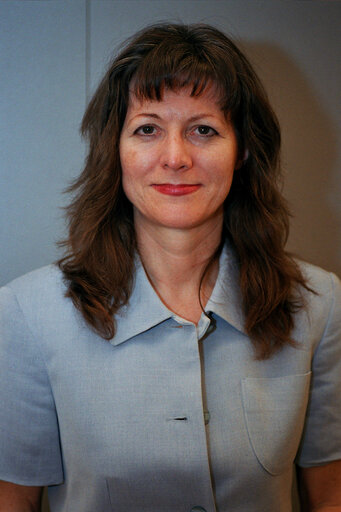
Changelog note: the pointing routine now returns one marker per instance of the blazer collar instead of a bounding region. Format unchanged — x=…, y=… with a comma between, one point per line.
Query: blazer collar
x=146, y=310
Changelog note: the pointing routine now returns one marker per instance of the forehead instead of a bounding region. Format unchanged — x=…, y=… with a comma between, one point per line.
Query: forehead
x=177, y=99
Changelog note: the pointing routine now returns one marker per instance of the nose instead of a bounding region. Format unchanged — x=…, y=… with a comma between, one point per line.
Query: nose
x=175, y=153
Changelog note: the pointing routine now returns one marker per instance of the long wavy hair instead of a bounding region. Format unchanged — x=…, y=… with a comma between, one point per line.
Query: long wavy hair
x=100, y=249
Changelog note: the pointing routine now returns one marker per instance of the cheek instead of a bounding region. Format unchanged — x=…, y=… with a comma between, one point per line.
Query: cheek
x=134, y=163
x=134, y=172
x=127, y=158
x=130, y=183
x=221, y=171
x=222, y=180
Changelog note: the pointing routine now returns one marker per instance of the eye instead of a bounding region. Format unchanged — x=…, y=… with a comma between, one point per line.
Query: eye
x=146, y=129
x=205, y=131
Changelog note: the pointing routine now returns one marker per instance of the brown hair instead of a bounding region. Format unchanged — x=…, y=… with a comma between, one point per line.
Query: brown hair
x=99, y=263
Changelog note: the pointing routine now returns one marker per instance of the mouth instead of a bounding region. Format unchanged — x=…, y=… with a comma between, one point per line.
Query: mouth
x=181, y=189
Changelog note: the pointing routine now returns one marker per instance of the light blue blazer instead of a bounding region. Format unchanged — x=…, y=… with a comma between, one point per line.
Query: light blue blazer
x=168, y=416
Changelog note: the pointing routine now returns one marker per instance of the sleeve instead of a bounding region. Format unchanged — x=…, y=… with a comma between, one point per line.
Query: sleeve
x=29, y=439
x=321, y=442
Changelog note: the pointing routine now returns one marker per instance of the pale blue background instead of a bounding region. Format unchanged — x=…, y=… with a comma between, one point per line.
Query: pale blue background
x=53, y=53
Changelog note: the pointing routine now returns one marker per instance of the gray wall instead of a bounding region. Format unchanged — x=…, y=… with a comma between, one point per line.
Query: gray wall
x=53, y=52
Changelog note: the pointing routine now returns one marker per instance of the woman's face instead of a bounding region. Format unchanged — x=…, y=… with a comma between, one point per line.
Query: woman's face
x=178, y=156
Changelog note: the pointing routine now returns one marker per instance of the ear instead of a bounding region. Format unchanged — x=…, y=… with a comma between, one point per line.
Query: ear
x=242, y=161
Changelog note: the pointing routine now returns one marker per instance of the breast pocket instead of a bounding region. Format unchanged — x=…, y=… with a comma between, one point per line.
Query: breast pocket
x=274, y=410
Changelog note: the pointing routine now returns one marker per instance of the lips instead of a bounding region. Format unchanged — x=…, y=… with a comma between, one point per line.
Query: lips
x=181, y=189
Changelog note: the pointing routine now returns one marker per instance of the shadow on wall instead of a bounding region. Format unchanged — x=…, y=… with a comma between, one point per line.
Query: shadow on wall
x=309, y=156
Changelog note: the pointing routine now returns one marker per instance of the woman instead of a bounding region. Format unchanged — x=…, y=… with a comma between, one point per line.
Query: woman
x=178, y=359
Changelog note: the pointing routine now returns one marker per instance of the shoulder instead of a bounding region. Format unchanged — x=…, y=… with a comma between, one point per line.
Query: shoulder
x=321, y=314
x=40, y=286
x=36, y=295
x=46, y=279
x=318, y=278
x=325, y=286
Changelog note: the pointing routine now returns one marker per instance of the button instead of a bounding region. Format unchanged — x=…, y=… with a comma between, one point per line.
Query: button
x=198, y=509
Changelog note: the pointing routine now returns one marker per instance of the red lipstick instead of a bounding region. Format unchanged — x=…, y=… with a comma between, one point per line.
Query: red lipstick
x=176, y=190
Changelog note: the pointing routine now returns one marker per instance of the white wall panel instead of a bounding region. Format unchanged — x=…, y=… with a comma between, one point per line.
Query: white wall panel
x=42, y=54
x=296, y=48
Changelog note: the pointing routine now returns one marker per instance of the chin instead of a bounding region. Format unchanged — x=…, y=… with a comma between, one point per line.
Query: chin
x=179, y=218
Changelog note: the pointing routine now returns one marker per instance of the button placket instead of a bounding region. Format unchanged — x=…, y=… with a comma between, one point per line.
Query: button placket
x=190, y=416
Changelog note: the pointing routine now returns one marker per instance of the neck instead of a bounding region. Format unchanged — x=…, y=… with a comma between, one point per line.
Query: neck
x=175, y=261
